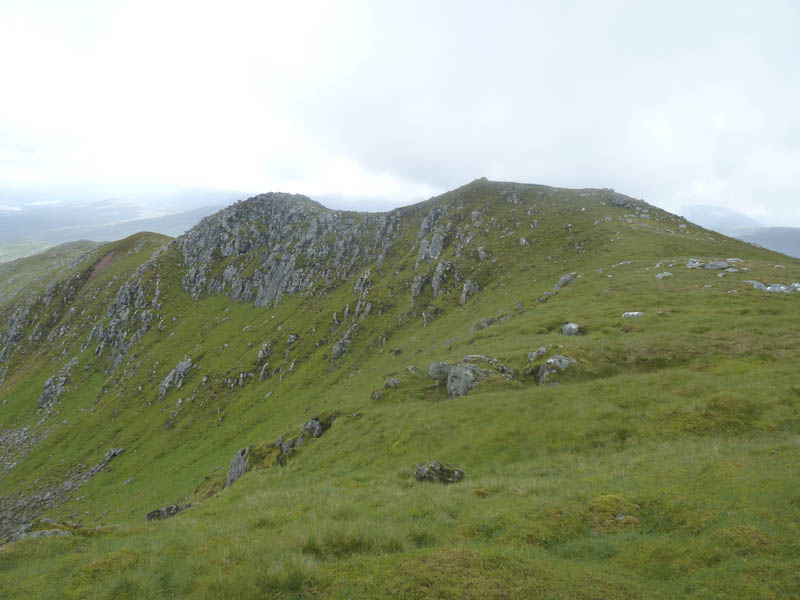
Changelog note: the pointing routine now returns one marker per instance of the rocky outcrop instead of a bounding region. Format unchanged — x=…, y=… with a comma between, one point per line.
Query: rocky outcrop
x=436, y=471
x=55, y=385
x=469, y=289
x=294, y=245
x=238, y=466
x=167, y=511
x=174, y=378
x=18, y=511
x=554, y=364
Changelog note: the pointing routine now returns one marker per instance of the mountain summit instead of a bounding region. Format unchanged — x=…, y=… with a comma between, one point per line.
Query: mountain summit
x=508, y=390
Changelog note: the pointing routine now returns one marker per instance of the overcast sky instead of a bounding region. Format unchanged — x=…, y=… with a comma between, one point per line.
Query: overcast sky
x=379, y=104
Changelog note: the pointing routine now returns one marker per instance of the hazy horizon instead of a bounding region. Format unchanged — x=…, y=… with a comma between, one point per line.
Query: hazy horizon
x=368, y=106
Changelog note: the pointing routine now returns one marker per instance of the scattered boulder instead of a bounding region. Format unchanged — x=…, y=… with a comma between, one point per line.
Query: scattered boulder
x=537, y=354
x=663, y=275
x=482, y=254
x=620, y=264
x=554, y=364
x=391, y=383
x=524, y=241
x=293, y=337
x=565, y=280
x=694, y=264
x=717, y=265
x=439, y=371
x=167, y=511
x=632, y=314
x=571, y=329
x=460, y=381
x=438, y=472
x=778, y=287
x=757, y=285
x=734, y=260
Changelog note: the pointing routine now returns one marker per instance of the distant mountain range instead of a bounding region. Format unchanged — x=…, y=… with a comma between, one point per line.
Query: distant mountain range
x=780, y=239
x=33, y=228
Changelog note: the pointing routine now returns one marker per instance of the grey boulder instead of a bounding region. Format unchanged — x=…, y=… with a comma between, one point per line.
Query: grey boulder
x=438, y=472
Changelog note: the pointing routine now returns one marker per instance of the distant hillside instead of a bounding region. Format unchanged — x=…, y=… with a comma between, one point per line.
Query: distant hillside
x=780, y=239
x=42, y=267
x=26, y=233
x=785, y=240
x=506, y=391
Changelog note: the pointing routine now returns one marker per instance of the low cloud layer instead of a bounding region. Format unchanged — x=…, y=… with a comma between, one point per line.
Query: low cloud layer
x=381, y=104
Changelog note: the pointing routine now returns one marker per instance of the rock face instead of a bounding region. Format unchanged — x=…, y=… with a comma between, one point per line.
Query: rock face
x=438, y=472
x=55, y=385
x=166, y=511
x=469, y=289
x=571, y=329
x=304, y=242
x=238, y=466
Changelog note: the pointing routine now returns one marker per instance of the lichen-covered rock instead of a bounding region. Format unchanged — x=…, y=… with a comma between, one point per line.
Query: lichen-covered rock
x=537, y=354
x=571, y=329
x=175, y=378
x=438, y=472
x=238, y=466
x=167, y=511
x=757, y=285
x=439, y=371
x=299, y=241
x=565, y=280
x=460, y=381
x=469, y=289
x=55, y=385
x=554, y=364
x=340, y=347
x=717, y=265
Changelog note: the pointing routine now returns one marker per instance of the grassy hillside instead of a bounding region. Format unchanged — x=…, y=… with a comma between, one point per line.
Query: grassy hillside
x=16, y=275
x=660, y=464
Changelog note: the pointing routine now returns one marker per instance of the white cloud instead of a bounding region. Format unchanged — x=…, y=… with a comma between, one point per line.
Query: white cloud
x=386, y=103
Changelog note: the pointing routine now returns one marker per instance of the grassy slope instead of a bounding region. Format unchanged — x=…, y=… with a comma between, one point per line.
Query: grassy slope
x=687, y=421
x=19, y=274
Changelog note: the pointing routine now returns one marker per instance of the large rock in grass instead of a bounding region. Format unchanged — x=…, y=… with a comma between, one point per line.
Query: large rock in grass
x=571, y=329
x=439, y=371
x=167, y=511
x=438, y=472
x=460, y=381
x=238, y=466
